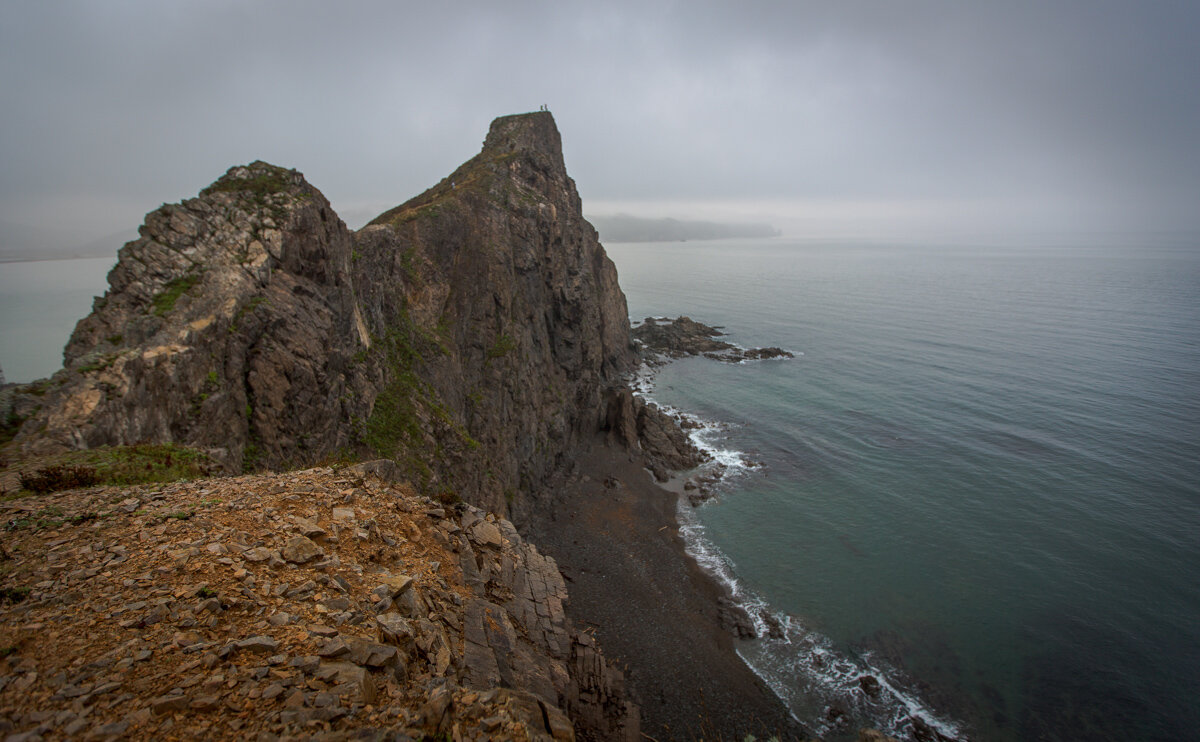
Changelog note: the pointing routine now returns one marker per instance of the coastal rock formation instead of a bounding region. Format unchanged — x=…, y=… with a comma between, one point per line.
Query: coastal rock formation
x=473, y=334
x=472, y=342
x=228, y=326
x=683, y=336
x=644, y=426
x=188, y=611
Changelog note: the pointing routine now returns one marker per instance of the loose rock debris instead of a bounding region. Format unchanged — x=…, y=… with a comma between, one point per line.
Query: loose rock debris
x=319, y=603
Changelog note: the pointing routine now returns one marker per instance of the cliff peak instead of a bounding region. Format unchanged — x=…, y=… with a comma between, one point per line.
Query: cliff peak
x=525, y=132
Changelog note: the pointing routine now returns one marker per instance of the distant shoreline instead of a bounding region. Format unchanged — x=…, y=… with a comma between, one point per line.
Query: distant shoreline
x=44, y=259
x=625, y=228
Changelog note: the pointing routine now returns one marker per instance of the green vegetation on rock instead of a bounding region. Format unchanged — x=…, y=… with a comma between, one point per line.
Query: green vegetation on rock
x=165, y=300
x=117, y=465
x=261, y=185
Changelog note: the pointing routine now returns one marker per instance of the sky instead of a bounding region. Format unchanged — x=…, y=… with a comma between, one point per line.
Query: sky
x=820, y=117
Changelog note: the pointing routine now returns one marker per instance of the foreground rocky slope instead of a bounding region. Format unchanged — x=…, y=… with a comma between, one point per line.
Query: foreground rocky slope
x=317, y=603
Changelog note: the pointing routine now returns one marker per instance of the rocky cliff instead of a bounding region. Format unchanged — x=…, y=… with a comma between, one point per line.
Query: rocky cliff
x=473, y=334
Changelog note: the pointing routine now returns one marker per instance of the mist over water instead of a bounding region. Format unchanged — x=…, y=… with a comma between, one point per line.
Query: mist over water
x=40, y=302
x=980, y=483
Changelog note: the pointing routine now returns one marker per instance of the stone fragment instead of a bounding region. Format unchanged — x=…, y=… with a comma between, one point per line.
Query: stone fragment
x=352, y=681
x=258, y=644
x=295, y=699
x=112, y=730
x=317, y=629
x=205, y=703
x=257, y=554
x=168, y=704
x=344, y=514
x=486, y=534
x=300, y=549
x=306, y=663
x=394, y=628
x=394, y=585
x=309, y=529
x=335, y=647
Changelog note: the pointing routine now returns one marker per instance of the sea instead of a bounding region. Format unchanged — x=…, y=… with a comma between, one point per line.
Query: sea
x=40, y=302
x=969, y=506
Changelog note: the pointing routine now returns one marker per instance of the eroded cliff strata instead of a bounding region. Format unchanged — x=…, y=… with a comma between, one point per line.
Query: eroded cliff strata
x=474, y=334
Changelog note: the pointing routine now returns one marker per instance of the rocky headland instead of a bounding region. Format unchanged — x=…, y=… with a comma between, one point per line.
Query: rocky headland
x=472, y=345
x=661, y=339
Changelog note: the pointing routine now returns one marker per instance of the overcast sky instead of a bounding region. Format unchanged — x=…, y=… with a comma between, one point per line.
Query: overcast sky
x=813, y=115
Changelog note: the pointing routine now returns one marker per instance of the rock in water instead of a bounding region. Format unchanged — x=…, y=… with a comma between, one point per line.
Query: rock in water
x=683, y=336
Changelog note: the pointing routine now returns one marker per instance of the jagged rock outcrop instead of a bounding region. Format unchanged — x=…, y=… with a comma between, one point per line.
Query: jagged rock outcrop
x=228, y=326
x=472, y=335
x=643, y=426
x=683, y=336
x=514, y=309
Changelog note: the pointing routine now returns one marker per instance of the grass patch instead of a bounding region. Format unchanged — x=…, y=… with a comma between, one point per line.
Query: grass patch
x=14, y=594
x=165, y=300
x=502, y=347
x=118, y=465
x=59, y=477
x=246, y=309
x=261, y=185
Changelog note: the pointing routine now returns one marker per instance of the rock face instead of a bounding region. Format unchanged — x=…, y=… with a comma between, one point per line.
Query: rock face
x=412, y=622
x=472, y=335
x=228, y=326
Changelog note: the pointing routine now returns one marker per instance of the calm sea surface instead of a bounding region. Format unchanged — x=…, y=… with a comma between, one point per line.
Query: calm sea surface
x=980, y=481
x=40, y=302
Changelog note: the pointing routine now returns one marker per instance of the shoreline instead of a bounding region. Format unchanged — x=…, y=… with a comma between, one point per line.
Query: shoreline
x=614, y=533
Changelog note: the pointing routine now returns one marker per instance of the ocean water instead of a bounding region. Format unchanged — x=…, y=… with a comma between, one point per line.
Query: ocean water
x=40, y=302
x=978, y=483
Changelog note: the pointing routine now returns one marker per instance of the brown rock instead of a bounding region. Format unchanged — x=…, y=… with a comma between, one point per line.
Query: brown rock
x=353, y=682
x=168, y=704
x=300, y=549
x=258, y=645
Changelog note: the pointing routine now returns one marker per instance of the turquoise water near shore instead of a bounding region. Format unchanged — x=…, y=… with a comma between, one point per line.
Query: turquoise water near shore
x=980, y=480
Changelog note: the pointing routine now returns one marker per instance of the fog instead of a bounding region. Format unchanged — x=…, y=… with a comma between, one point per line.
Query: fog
x=819, y=118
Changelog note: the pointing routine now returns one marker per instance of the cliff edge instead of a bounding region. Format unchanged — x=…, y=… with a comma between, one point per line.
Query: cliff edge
x=474, y=334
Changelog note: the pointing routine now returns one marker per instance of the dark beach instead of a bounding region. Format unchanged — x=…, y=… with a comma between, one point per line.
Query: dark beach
x=615, y=536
